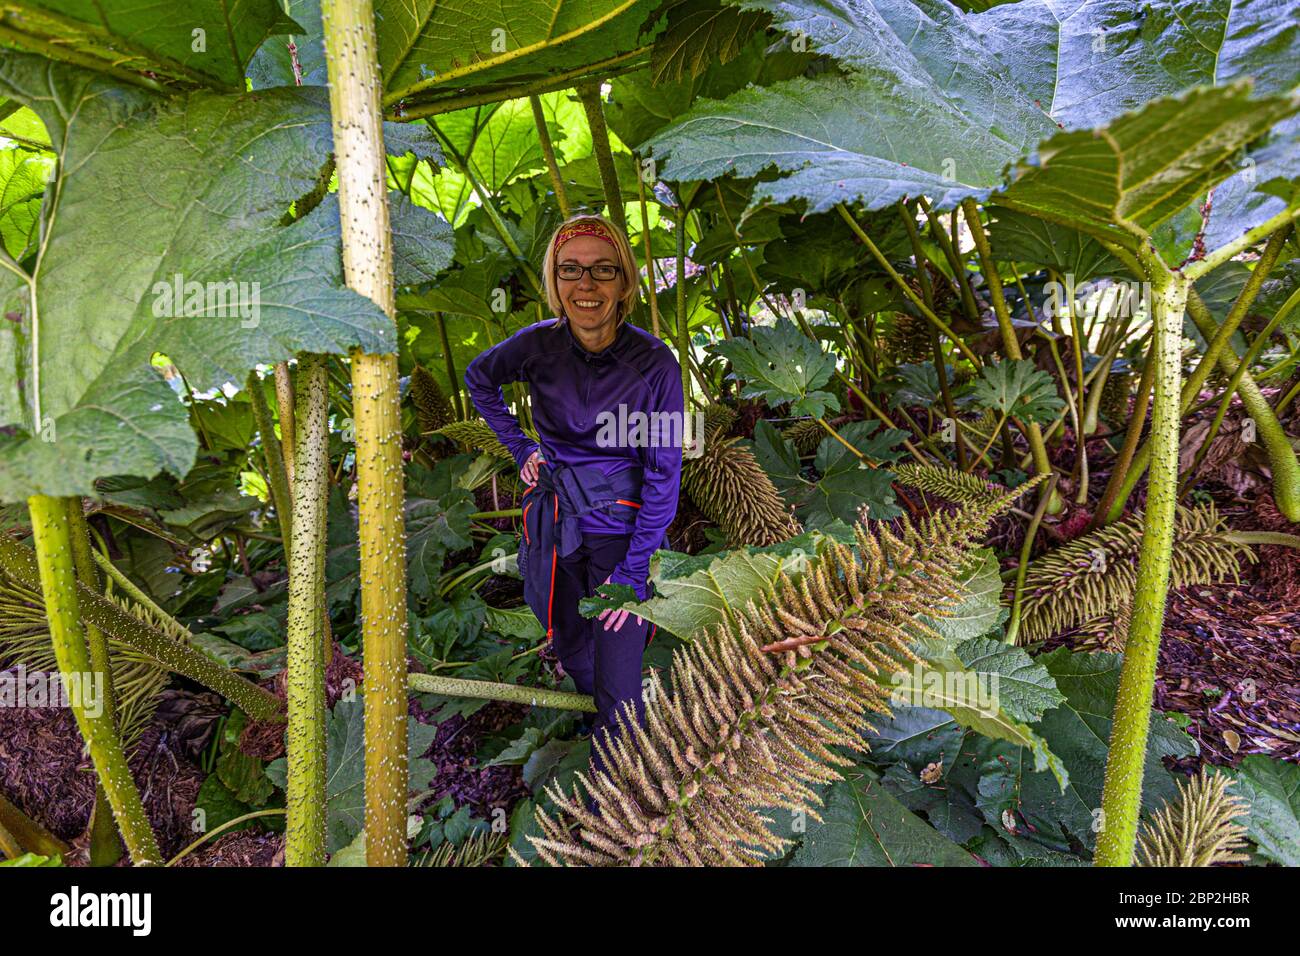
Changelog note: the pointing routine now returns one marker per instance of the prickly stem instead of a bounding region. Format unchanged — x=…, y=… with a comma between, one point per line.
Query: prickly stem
x=54, y=557
x=1122, y=793
x=305, y=685
x=355, y=92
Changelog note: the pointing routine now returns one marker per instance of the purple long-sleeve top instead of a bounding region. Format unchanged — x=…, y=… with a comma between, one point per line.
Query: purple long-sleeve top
x=605, y=409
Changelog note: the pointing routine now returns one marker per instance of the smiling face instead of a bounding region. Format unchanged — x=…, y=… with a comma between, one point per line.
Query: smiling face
x=590, y=304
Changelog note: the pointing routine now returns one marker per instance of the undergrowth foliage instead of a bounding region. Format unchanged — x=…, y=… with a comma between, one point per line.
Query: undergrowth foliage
x=760, y=702
x=1095, y=575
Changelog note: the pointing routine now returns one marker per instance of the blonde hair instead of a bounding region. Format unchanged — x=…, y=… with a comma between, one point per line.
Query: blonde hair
x=622, y=253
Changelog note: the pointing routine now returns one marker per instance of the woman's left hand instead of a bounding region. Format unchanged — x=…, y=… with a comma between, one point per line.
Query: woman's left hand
x=614, y=618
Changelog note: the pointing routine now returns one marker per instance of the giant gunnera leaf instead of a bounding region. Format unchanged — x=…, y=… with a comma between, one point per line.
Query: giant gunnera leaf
x=938, y=102
x=197, y=43
x=429, y=49
x=161, y=233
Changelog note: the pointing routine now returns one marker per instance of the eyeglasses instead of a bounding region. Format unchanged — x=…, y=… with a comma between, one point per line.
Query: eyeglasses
x=601, y=272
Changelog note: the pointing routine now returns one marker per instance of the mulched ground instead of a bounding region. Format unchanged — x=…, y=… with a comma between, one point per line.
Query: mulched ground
x=45, y=774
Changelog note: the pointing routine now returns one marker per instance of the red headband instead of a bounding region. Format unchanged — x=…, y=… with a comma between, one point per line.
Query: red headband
x=584, y=228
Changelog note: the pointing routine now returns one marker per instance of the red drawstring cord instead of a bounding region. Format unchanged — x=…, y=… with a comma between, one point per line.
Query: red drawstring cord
x=550, y=600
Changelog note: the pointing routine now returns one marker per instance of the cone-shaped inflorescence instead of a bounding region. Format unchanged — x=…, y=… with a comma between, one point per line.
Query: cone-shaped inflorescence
x=719, y=418
x=806, y=435
x=1115, y=399
x=432, y=409
x=910, y=343
x=1096, y=575
x=758, y=703
x=948, y=483
x=1198, y=828
x=731, y=488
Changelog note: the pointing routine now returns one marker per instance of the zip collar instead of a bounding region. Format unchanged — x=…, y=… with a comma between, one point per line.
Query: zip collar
x=605, y=356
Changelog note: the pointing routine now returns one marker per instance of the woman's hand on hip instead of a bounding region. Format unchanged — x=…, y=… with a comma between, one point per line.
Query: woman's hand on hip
x=613, y=617
x=528, y=473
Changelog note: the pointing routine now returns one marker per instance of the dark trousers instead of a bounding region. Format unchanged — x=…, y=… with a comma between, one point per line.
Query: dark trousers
x=605, y=664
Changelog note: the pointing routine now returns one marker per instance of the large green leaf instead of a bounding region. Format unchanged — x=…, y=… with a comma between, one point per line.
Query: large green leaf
x=945, y=117
x=431, y=50
x=427, y=46
x=1017, y=389
x=1146, y=166
x=1272, y=789
x=846, y=484
x=1025, y=689
x=639, y=105
x=204, y=43
x=953, y=98
x=201, y=182
x=1078, y=731
x=863, y=824
x=1030, y=241
x=780, y=364
x=972, y=695
x=979, y=610
x=692, y=592
x=1093, y=60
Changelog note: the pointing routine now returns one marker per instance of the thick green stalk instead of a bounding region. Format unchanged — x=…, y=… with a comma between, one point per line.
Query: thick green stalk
x=30, y=836
x=450, y=360
x=285, y=401
x=277, y=477
x=105, y=846
x=592, y=105
x=20, y=564
x=1217, y=350
x=651, y=294
x=491, y=690
x=355, y=89
x=548, y=153
x=1104, y=513
x=54, y=557
x=88, y=575
x=1281, y=456
x=1122, y=793
x=1010, y=344
x=1243, y=365
x=305, y=682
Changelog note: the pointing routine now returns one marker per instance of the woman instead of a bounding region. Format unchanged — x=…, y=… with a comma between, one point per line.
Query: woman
x=590, y=373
